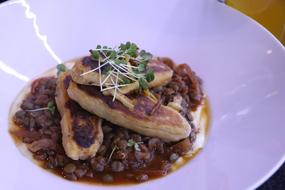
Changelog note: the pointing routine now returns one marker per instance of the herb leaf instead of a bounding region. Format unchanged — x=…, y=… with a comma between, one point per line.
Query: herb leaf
x=95, y=54
x=113, y=55
x=141, y=67
x=149, y=76
x=145, y=55
x=143, y=84
x=51, y=107
x=61, y=68
x=126, y=81
x=132, y=143
x=132, y=51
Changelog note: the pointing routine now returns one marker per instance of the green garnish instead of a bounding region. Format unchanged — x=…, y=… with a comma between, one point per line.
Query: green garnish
x=141, y=67
x=143, y=84
x=50, y=106
x=149, y=76
x=126, y=81
x=145, y=55
x=124, y=65
x=61, y=68
x=95, y=54
x=136, y=145
x=132, y=51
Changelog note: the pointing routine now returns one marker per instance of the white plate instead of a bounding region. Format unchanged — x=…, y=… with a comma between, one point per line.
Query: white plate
x=241, y=64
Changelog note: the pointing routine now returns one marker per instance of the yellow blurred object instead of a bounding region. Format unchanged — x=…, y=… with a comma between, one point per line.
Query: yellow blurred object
x=269, y=13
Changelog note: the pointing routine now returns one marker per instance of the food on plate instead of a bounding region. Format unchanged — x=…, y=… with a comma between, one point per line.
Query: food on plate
x=165, y=123
x=84, y=72
x=118, y=115
x=81, y=131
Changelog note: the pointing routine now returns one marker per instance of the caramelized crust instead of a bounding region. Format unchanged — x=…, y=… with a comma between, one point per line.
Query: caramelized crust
x=162, y=74
x=81, y=131
x=166, y=123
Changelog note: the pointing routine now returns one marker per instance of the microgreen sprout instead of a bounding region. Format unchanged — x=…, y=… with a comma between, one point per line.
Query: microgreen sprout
x=61, y=68
x=50, y=106
x=136, y=145
x=121, y=66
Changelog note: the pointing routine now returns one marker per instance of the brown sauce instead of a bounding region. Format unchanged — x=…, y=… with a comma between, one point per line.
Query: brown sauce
x=123, y=178
x=129, y=176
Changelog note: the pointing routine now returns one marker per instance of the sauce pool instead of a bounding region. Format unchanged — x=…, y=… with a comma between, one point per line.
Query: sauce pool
x=127, y=177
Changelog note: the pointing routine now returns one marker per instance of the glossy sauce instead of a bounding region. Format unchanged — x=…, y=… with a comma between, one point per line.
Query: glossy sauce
x=128, y=176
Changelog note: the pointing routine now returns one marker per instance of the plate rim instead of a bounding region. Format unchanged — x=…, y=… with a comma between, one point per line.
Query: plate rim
x=281, y=161
x=278, y=164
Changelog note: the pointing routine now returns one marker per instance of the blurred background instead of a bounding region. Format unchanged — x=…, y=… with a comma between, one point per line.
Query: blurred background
x=269, y=13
